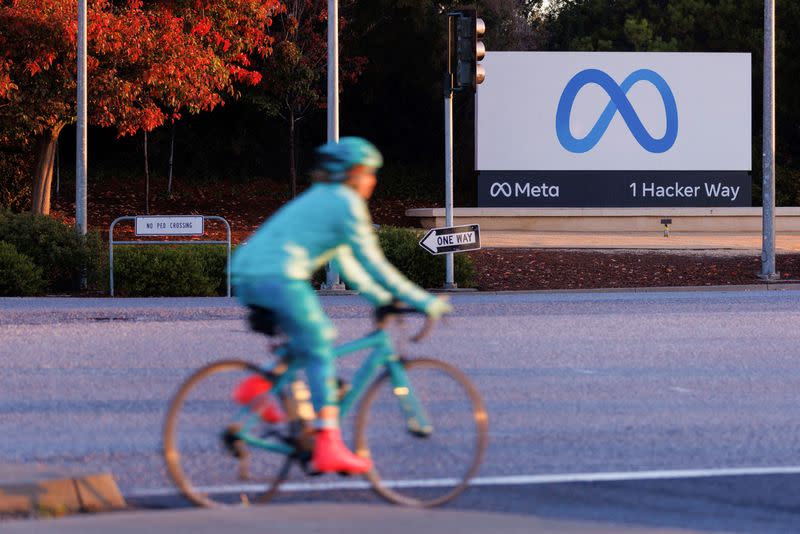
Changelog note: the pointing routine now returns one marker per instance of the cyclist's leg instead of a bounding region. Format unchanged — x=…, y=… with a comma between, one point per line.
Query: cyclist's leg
x=252, y=389
x=301, y=317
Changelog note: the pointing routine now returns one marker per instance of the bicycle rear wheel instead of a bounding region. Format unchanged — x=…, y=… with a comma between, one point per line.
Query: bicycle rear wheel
x=415, y=468
x=203, y=455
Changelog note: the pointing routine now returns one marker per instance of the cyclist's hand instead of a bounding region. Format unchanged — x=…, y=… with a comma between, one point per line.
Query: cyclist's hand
x=437, y=307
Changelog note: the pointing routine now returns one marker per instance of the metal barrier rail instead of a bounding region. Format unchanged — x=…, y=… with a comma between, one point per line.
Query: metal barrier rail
x=111, y=244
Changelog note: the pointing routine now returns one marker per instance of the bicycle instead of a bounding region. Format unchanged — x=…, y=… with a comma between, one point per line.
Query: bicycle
x=241, y=443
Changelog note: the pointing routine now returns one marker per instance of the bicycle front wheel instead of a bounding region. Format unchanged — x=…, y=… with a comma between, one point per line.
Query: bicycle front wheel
x=426, y=466
x=204, y=455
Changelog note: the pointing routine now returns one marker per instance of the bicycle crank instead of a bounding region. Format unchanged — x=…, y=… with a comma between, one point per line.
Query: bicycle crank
x=237, y=448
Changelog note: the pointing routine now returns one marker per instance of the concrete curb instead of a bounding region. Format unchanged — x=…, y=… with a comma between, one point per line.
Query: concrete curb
x=766, y=286
x=36, y=490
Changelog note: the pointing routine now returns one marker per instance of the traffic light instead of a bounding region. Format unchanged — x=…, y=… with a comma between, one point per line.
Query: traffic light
x=465, y=49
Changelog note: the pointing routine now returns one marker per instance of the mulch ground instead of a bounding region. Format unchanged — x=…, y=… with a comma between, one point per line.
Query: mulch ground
x=520, y=269
x=246, y=205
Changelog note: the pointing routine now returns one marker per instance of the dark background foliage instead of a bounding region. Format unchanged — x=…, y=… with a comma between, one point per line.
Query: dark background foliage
x=397, y=101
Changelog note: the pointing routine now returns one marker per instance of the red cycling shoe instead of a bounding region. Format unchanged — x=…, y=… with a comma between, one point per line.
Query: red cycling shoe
x=332, y=456
x=254, y=386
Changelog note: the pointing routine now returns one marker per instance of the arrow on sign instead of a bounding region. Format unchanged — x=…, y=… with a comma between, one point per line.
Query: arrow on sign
x=452, y=239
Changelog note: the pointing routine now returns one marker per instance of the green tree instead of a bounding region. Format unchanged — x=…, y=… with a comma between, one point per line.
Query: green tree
x=294, y=81
x=143, y=62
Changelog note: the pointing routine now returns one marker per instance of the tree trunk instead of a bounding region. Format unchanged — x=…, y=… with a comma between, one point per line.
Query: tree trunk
x=292, y=162
x=171, y=155
x=146, y=178
x=58, y=170
x=43, y=173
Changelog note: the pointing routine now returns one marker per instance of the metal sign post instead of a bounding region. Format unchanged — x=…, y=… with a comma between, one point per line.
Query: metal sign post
x=168, y=225
x=768, y=185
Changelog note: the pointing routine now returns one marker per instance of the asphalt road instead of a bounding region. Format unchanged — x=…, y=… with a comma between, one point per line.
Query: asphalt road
x=625, y=408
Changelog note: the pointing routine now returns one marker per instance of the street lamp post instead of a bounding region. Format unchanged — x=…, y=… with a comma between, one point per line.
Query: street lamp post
x=768, y=183
x=333, y=71
x=80, y=156
x=331, y=274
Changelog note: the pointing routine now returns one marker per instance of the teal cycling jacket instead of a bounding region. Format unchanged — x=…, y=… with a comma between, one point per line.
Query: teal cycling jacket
x=328, y=222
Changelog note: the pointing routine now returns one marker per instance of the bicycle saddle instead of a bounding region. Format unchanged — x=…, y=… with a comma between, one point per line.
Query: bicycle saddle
x=263, y=320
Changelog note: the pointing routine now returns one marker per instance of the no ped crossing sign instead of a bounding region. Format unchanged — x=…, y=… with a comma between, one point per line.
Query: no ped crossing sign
x=452, y=239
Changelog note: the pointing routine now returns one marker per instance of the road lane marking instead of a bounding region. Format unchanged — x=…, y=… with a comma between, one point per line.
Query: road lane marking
x=513, y=480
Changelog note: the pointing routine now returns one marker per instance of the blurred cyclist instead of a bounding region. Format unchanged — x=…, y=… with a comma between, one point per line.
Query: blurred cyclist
x=328, y=222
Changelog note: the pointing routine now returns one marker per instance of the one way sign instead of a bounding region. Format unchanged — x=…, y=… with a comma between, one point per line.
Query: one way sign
x=452, y=239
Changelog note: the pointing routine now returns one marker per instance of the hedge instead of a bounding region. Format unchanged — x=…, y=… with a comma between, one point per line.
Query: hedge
x=401, y=246
x=19, y=276
x=55, y=247
x=169, y=271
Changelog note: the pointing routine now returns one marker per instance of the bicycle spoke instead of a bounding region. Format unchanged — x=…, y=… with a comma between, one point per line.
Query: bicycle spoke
x=203, y=446
x=406, y=464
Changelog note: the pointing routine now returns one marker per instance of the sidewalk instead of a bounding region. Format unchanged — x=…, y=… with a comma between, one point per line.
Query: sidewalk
x=317, y=519
x=746, y=243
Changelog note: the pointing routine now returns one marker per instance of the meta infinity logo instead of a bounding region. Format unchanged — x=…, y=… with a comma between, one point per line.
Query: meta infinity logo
x=619, y=102
x=498, y=188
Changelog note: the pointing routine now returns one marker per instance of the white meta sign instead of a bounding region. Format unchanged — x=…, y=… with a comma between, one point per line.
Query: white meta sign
x=615, y=111
x=169, y=225
x=452, y=239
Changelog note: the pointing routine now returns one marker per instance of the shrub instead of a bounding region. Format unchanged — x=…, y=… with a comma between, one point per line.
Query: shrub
x=169, y=271
x=401, y=246
x=55, y=247
x=19, y=276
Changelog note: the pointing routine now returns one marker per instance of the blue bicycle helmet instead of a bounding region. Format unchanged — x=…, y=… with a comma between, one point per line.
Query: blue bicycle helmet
x=337, y=158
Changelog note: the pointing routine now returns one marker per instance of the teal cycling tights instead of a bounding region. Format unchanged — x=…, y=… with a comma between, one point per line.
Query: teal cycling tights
x=301, y=317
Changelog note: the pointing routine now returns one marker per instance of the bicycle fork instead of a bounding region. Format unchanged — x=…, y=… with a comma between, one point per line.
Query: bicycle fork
x=417, y=420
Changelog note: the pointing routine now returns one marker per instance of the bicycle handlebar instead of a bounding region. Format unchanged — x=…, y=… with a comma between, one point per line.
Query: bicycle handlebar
x=384, y=313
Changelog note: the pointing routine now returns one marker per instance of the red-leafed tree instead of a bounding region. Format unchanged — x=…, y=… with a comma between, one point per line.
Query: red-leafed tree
x=147, y=63
x=295, y=74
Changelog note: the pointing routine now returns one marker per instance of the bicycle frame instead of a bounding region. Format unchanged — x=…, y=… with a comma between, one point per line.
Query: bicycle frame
x=382, y=356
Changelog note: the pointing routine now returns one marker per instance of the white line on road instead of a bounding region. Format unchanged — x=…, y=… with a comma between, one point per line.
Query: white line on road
x=517, y=480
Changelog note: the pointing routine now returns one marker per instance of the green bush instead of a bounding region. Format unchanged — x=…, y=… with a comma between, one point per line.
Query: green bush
x=401, y=246
x=19, y=276
x=55, y=247
x=169, y=271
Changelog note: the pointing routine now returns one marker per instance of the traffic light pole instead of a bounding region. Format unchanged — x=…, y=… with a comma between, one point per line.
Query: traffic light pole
x=463, y=73
x=449, y=279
